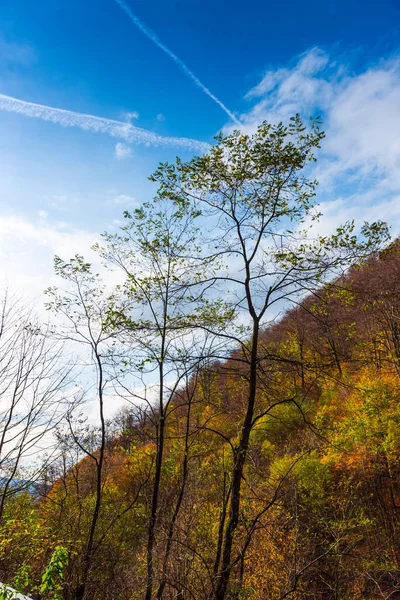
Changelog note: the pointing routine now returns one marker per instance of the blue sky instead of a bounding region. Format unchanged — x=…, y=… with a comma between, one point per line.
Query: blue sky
x=60, y=186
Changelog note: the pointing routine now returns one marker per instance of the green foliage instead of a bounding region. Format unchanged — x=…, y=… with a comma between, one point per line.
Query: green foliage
x=6, y=593
x=23, y=578
x=22, y=537
x=313, y=477
x=53, y=576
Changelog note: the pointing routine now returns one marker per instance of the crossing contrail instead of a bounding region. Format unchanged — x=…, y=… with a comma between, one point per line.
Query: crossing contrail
x=116, y=129
x=152, y=36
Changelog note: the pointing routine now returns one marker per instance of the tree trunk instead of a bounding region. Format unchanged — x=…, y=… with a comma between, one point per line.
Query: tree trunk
x=240, y=459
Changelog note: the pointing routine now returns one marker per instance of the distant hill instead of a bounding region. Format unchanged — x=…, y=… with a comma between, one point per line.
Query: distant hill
x=19, y=485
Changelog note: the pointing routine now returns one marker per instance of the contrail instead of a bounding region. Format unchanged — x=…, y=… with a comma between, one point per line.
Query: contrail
x=116, y=129
x=152, y=36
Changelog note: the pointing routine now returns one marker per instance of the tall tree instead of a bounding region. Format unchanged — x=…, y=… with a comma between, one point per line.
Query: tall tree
x=256, y=198
x=82, y=308
x=160, y=318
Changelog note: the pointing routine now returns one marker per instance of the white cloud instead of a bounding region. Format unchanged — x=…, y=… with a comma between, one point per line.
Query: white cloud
x=43, y=214
x=122, y=151
x=359, y=165
x=285, y=80
x=27, y=249
x=128, y=116
x=365, y=119
x=281, y=93
x=116, y=129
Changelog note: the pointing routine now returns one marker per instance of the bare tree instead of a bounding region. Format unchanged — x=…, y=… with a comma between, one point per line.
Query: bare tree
x=34, y=394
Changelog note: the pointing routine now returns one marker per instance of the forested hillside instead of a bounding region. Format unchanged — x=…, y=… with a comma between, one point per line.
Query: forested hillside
x=321, y=495
x=263, y=461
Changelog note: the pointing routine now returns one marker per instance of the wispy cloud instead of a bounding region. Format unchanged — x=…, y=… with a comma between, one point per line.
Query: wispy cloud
x=359, y=164
x=122, y=151
x=128, y=116
x=310, y=83
x=286, y=80
x=360, y=111
x=116, y=129
x=152, y=36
